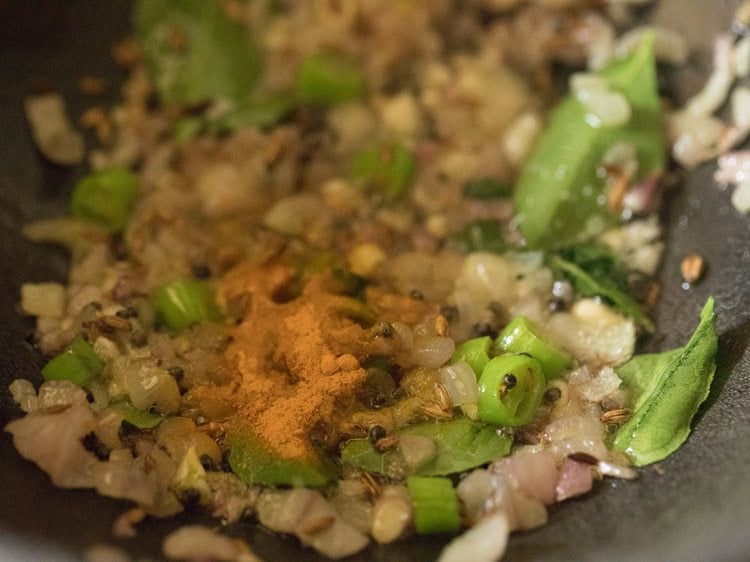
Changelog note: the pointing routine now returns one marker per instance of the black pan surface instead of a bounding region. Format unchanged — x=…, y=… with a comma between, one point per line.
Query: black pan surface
x=696, y=508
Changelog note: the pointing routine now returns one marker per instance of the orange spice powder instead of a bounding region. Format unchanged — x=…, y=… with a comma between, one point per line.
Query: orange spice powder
x=295, y=359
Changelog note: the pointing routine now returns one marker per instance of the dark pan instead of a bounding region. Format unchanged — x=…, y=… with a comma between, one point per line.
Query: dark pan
x=697, y=507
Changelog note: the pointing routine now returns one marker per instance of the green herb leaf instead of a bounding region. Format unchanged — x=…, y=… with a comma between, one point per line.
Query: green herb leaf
x=461, y=444
x=136, y=417
x=79, y=363
x=254, y=463
x=195, y=54
x=558, y=194
x=593, y=271
x=667, y=390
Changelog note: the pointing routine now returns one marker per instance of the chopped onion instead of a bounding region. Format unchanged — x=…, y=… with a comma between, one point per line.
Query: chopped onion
x=198, y=542
x=527, y=513
x=391, y=516
x=148, y=385
x=596, y=388
x=431, y=351
x=43, y=299
x=416, y=450
x=594, y=333
x=474, y=492
x=308, y=515
x=608, y=109
x=575, y=434
x=616, y=470
x=740, y=102
x=520, y=136
x=53, y=133
x=460, y=381
x=741, y=197
x=734, y=167
x=575, y=479
x=60, y=393
x=716, y=89
x=24, y=394
x=231, y=498
x=742, y=57
x=519, y=283
x=484, y=542
x=532, y=471
x=669, y=46
x=637, y=244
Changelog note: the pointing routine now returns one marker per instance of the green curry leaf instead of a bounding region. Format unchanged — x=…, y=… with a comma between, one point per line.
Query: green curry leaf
x=667, y=390
x=461, y=444
x=594, y=271
x=255, y=463
x=558, y=194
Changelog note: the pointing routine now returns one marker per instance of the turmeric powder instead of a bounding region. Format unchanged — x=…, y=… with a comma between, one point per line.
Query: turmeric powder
x=294, y=360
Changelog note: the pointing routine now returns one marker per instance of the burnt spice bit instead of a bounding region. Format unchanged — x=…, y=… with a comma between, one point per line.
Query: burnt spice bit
x=584, y=458
x=386, y=443
x=127, y=312
x=177, y=372
x=481, y=329
x=201, y=271
x=323, y=435
x=377, y=433
x=552, y=395
x=450, y=312
x=207, y=463
x=190, y=498
x=384, y=330
x=509, y=381
x=92, y=443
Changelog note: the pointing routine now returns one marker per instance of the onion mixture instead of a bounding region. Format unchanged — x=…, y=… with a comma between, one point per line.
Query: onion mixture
x=359, y=270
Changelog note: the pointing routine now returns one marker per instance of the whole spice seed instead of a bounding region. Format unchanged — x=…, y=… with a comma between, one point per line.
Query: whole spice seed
x=619, y=188
x=316, y=525
x=435, y=411
x=444, y=399
x=552, y=395
x=584, y=458
x=374, y=489
x=386, y=443
x=377, y=433
x=441, y=325
x=692, y=268
x=616, y=417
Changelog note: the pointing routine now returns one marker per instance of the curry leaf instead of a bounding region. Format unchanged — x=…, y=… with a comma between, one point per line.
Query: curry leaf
x=136, y=417
x=667, y=390
x=593, y=271
x=255, y=463
x=461, y=444
x=558, y=194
